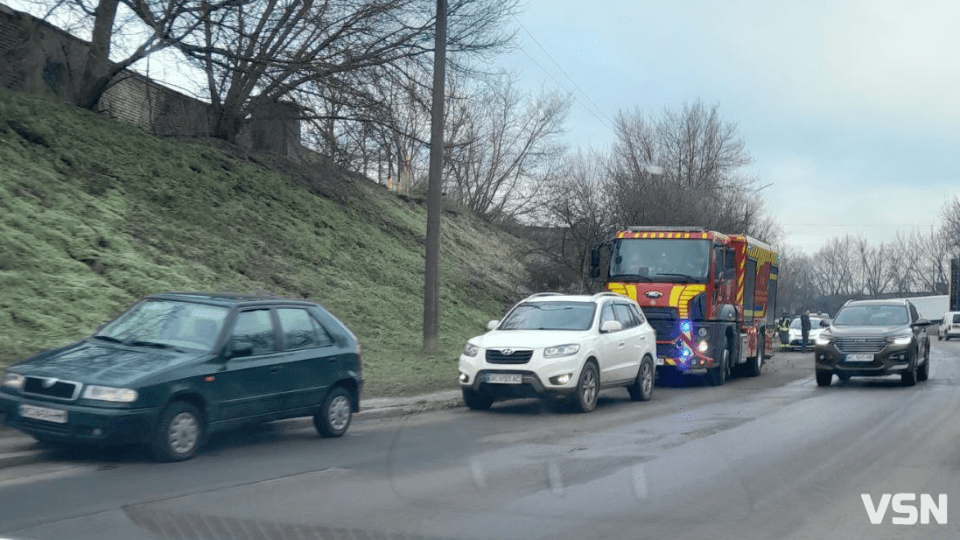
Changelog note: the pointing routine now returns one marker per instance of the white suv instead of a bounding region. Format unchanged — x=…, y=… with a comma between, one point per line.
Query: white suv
x=569, y=346
x=949, y=326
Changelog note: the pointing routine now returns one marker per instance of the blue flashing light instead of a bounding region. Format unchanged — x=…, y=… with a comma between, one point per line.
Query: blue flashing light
x=685, y=352
x=685, y=327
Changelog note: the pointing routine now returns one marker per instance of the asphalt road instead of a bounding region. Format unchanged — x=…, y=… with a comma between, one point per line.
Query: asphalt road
x=772, y=457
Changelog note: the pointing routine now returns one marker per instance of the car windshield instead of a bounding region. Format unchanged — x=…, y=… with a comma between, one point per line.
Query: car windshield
x=872, y=315
x=168, y=323
x=550, y=316
x=661, y=260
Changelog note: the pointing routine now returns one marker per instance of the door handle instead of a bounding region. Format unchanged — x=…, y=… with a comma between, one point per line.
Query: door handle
x=622, y=345
x=275, y=369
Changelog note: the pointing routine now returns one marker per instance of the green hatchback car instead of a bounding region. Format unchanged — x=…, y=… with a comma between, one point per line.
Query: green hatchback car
x=178, y=366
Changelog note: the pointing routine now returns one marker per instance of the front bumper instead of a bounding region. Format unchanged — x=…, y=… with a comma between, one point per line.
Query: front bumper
x=84, y=424
x=535, y=376
x=892, y=359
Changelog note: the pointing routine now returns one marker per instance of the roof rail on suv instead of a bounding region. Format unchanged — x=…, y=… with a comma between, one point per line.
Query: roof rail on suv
x=539, y=294
x=606, y=293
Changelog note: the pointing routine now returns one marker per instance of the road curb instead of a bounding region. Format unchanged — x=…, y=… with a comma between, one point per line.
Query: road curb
x=17, y=452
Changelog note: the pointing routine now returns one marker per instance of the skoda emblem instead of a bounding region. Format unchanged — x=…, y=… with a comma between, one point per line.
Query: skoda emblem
x=47, y=383
x=507, y=352
x=654, y=294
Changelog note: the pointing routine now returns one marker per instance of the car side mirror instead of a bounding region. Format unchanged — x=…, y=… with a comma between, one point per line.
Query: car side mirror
x=610, y=326
x=922, y=322
x=239, y=350
x=824, y=323
x=492, y=325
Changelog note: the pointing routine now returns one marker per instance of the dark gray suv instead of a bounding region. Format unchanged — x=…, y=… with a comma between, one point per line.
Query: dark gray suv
x=873, y=338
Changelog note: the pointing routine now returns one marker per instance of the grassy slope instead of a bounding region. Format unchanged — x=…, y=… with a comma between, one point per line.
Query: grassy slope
x=95, y=213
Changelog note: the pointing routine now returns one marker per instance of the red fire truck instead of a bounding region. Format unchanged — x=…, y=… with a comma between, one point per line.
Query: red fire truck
x=711, y=297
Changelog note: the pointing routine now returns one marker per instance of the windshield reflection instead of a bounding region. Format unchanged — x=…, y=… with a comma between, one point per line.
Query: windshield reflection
x=166, y=323
x=660, y=260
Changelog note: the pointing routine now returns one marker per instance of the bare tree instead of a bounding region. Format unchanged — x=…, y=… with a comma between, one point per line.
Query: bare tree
x=503, y=148
x=874, y=269
x=123, y=32
x=685, y=168
x=834, y=266
x=346, y=50
x=578, y=215
x=951, y=225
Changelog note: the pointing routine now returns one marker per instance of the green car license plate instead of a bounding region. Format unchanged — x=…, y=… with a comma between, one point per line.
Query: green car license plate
x=56, y=416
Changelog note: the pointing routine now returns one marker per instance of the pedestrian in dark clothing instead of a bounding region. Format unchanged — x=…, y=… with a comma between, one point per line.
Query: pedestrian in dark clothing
x=805, y=329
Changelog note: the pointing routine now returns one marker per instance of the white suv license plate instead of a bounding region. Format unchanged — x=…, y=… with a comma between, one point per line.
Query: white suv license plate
x=859, y=358
x=504, y=378
x=56, y=416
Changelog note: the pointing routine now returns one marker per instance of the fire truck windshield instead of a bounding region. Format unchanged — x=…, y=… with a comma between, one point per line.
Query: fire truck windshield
x=660, y=260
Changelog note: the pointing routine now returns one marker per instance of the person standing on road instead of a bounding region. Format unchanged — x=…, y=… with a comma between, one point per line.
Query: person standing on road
x=784, y=333
x=805, y=329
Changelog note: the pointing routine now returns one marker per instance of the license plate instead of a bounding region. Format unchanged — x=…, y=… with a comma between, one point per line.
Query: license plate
x=660, y=361
x=504, y=378
x=43, y=413
x=859, y=358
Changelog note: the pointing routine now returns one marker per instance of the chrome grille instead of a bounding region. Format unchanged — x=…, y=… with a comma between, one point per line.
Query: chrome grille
x=861, y=345
x=51, y=388
x=501, y=356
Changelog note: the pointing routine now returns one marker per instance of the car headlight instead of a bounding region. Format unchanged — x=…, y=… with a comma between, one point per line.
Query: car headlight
x=822, y=340
x=107, y=393
x=13, y=380
x=561, y=350
x=902, y=340
x=470, y=349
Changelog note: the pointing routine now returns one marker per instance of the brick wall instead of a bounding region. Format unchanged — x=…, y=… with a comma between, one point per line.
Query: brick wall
x=38, y=57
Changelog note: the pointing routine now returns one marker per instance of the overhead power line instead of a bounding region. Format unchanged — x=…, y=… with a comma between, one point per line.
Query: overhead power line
x=606, y=121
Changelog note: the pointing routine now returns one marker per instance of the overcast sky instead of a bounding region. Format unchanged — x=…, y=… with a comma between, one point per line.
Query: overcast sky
x=851, y=109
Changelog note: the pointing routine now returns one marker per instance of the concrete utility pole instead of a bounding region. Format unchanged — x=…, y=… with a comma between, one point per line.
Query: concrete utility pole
x=431, y=283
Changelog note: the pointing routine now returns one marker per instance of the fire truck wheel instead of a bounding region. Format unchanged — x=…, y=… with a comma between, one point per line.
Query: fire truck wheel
x=754, y=365
x=718, y=375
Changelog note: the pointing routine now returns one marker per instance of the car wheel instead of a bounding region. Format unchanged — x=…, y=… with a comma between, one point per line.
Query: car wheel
x=588, y=388
x=909, y=377
x=179, y=434
x=824, y=378
x=939, y=337
x=754, y=366
x=923, y=372
x=642, y=388
x=718, y=375
x=477, y=401
x=333, y=417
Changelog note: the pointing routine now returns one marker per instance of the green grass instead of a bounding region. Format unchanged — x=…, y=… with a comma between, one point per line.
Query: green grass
x=95, y=213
